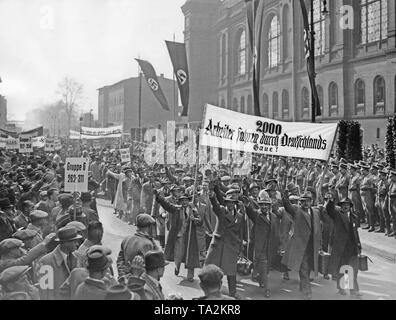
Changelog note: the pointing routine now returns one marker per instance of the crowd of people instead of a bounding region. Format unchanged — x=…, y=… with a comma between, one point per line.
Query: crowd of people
x=285, y=215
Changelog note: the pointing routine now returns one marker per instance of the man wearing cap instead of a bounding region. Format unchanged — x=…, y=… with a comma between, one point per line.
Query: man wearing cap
x=147, y=194
x=134, y=192
x=354, y=192
x=211, y=281
x=86, y=199
x=159, y=214
x=94, y=237
x=265, y=238
x=22, y=219
x=39, y=224
x=138, y=244
x=227, y=240
x=95, y=286
x=14, y=279
x=343, y=181
x=381, y=203
x=27, y=236
x=302, y=172
x=392, y=201
x=7, y=224
x=302, y=253
x=120, y=203
x=155, y=267
x=182, y=242
x=333, y=181
x=60, y=262
x=367, y=188
x=346, y=244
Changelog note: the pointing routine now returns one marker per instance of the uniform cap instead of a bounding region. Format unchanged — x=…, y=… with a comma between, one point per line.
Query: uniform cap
x=24, y=235
x=12, y=274
x=144, y=220
x=79, y=226
x=38, y=214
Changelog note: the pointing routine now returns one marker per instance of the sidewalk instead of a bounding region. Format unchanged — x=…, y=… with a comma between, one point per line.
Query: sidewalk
x=379, y=245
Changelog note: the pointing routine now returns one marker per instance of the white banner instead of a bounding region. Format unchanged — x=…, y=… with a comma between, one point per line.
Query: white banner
x=227, y=129
x=76, y=175
x=97, y=133
x=125, y=155
x=57, y=144
x=3, y=143
x=49, y=145
x=25, y=144
x=38, y=142
x=12, y=144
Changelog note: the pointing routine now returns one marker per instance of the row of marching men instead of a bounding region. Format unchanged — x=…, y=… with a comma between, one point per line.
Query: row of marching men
x=264, y=225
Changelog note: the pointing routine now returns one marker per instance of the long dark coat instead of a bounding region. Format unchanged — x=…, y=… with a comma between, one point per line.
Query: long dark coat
x=297, y=245
x=227, y=239
x=175, y=212
x=341, y=236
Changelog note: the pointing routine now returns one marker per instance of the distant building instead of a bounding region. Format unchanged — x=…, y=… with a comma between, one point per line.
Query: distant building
x=118, y=104
x=356, y=68
x=3, y=111
x=88, y=120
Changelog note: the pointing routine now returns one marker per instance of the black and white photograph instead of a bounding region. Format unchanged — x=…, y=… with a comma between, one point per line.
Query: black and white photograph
x=232, y=151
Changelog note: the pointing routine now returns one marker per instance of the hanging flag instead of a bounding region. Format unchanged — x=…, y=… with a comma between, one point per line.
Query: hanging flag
x=37, y=132
x=178, y=54
x=310, y=56
x=152, y=81
x=251, y=9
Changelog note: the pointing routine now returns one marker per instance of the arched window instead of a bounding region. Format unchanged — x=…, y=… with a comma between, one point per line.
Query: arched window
x=274, y=43
x=285, y=105
x=320, y=27
x=265, y=106
x=250, y=105
x=242, y=104
x=333, y=99
x=286, y=34
x=241, y=53
x=235, y=105
x=379, y=95
x=275, y=106
x=305, y=102
x=360, y=97
x=374, y=20
x=223, y=48
x=321, y=98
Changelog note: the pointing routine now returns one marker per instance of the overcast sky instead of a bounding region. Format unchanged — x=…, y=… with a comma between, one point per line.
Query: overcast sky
x=93, y=41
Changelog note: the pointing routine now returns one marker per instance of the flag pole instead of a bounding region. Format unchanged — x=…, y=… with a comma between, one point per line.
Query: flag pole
x=140, y=102
x=174, y=88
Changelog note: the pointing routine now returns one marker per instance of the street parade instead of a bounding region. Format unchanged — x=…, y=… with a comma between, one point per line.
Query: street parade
x=204, y=187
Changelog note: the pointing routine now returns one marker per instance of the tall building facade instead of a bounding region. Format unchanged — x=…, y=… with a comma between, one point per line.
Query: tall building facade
x=355, y=60
x=118, y=104
x=3, y=112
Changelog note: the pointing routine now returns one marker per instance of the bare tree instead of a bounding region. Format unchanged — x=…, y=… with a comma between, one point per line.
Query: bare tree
x=71, y=93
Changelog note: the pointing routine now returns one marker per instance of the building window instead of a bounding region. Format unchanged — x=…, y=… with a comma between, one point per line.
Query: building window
x=321, y=98
x=265, y=106
x=305, y=103
x=243, y=105
x=379, y=95
x=275, y=106
x=274, y=43
x=319, y=26
x=360, y=97
x=374, y=20
x=235, y=105
x=223, y=62
x=378, y=133
x=286, y=36
x=285, y=105
x=250, y=105
x=241, y=53
x=333, y=99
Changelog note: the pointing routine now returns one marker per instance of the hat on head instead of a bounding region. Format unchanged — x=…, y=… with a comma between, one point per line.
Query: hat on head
x=154, y=260
x=62, y=220
x=66, y=234
x=184, y=196
x=254, y=185
x=118, y=292
x=293, y=198
x=8, y=244
x=38, y=214
x=345, y=200
x=65, y=199
x=225, y=178
x=5, y=203
x=270, y=180
x=86, y=197
x=27, y=185
x=306, y=196
x=98, y=258
x=232, y=191
x=79, y=226
x=25, y=235
x=211, y=275
x=187, y=178
x=311, y=190
x=144, y=220
x=291, y=186
x=12, y=274
x=229, y=198
x=14, y=296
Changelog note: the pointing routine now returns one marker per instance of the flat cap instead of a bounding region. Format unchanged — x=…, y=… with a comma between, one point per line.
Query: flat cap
x=79, y=226
x=24, y=235
x=9, y=244
x=225, y=178
x=12, y=274
x=38, y=214
x=144, y=220
x=211, y=275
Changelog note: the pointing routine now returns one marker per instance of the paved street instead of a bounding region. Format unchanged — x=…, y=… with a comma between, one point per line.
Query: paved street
x=379, y=283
